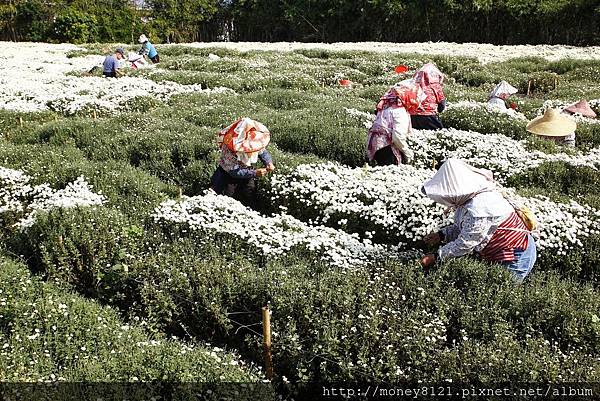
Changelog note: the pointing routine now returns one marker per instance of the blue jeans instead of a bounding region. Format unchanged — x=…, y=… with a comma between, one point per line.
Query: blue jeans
x=525, y=259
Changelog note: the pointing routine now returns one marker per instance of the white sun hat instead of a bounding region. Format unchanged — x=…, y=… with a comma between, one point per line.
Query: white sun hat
x=456, y=182
x=143, y=38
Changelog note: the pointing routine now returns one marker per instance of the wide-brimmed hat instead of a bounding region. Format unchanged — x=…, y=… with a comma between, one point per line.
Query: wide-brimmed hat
x=503, y=90
x=581, y=107
x=143, y=38
x=456, y=182
x=552, y=123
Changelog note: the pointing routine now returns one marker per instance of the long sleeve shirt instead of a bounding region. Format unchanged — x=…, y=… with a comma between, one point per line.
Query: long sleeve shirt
x=230, y=163
x=434, y=96
x=391, y=127
x=148, y=49
x=474, y=225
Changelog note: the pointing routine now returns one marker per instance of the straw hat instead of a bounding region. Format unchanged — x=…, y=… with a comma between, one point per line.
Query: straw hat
x=582, y=107
x=552, y=123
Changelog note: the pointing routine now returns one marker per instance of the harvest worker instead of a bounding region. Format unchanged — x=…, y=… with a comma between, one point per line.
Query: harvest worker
x=484, y=221
x=430, y=79
x=581, y=108
x=148, y=49
x=498, y=96
x=554, y=126
x=387, y=140
x=136, y=60
x=110, y=67
x=242, y=144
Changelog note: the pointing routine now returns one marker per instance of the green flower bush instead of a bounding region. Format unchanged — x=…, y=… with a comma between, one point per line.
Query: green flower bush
x=49, y=335
x=386, y=320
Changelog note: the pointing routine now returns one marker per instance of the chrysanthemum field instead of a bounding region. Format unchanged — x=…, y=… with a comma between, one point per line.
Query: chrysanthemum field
x=118, y=265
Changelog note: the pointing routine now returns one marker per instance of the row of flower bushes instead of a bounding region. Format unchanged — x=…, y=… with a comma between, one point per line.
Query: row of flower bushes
x=49, y=335
x=356, y=201
x=385, y=321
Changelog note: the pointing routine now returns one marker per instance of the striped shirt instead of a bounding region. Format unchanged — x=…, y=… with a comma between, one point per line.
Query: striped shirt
x=510, y=235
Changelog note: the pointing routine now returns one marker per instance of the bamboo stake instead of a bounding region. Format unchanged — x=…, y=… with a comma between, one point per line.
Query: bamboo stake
x=266, y=318
x=21, y=121
x=95, y=115
x=528, y=87
x=180, y=192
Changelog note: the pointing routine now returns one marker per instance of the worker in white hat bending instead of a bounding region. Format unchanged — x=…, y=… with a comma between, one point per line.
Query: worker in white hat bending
x=148, y=49
x=485, y=222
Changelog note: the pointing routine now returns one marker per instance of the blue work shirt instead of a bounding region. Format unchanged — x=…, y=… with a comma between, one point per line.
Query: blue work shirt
x=149, y=49
x=111, y=64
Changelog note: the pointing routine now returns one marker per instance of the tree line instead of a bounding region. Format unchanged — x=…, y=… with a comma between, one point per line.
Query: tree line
x=574, y=22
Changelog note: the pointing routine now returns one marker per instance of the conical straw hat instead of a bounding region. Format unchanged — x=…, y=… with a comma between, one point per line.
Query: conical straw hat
x=582, y=107
x=552, y=123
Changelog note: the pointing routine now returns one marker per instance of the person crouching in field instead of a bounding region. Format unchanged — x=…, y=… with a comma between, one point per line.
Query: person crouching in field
x=499, y=95
x=242, y=144
x=430, y=79
x=387, y=140
x=148, y=49
x=554, y=126
x=110, y=67
x=581, y=108
x=484, y=221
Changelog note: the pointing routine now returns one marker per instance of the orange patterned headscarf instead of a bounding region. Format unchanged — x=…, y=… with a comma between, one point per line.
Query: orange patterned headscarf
x=245, y=135
x=404, y=94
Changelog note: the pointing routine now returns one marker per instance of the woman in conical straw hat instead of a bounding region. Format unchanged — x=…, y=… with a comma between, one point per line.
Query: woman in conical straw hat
x=554, y=126
x=242, y=144
x=582, y=108
x=498, y=96
x=484, y=221
x=387, y=140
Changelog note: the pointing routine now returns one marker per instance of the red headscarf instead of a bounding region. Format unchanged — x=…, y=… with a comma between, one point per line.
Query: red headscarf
x=404, y=94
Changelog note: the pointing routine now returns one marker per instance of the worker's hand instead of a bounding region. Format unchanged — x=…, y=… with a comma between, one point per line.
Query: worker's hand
x=271, y=167
x=428, y=260
x=432, y=239
x=261, y=172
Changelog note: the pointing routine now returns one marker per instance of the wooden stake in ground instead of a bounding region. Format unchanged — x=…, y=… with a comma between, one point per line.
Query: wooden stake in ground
x=95, y=115
x=21, y=121
x=266, y=318
x=528, y=87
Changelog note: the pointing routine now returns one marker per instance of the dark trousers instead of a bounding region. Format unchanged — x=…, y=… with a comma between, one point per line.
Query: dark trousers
x=386, y=157
x=155, y=59
x=426, y=122
x=241, y=189
x=111, y=74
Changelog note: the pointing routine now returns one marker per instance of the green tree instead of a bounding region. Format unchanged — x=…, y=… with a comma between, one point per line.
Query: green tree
x=74, y=26
x=181, y=20
x=32, y=20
